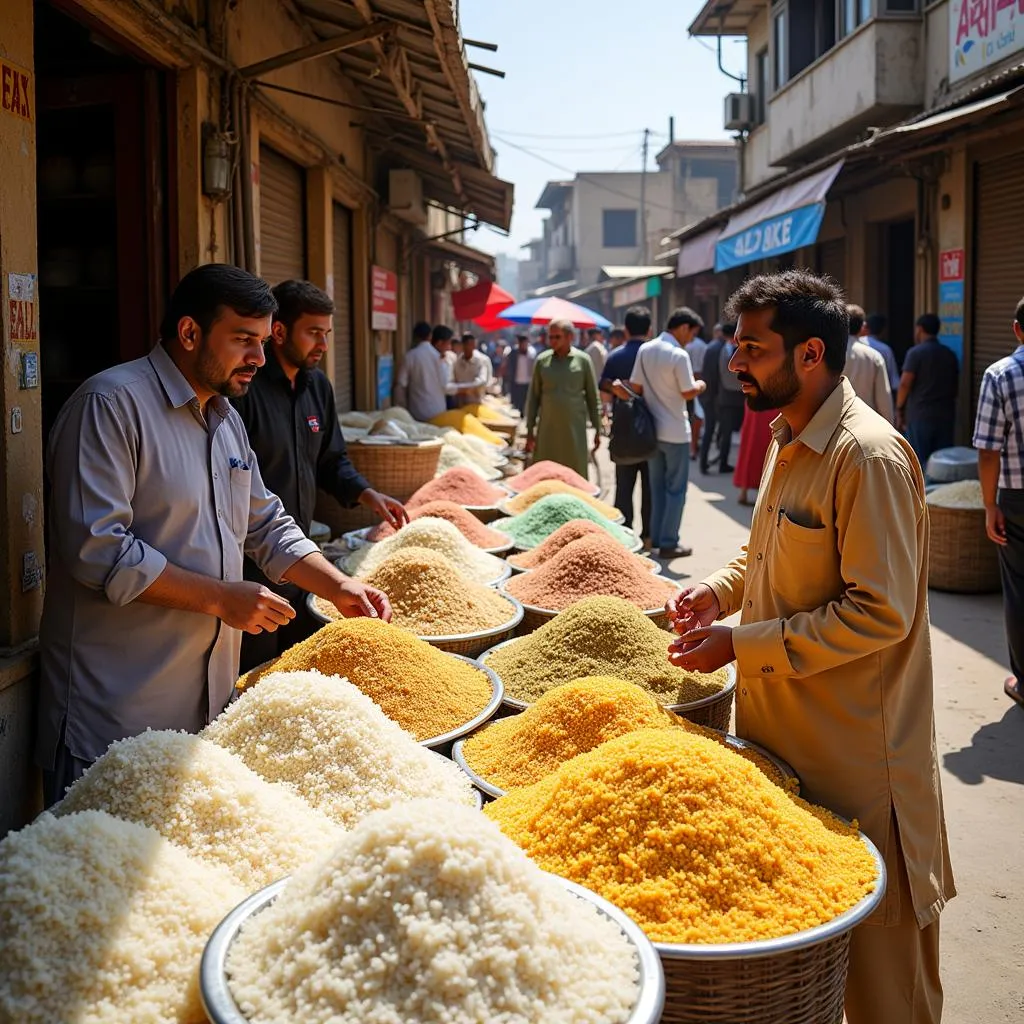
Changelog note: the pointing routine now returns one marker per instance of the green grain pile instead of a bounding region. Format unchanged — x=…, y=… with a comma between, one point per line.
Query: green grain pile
x=541, y=520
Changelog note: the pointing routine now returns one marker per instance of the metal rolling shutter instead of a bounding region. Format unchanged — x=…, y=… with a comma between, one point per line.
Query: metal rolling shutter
x=998, y=257
x=282, y=218
x=832, y=260
x=343, y=348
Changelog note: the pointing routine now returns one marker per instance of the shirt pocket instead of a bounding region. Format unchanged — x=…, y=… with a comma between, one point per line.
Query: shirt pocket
x=241, y=497
x=805, y=569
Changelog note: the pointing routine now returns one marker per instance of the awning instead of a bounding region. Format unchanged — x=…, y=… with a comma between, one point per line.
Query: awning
x=947, y=118
x=464, y=255
x=782, y=222
x=697, y=254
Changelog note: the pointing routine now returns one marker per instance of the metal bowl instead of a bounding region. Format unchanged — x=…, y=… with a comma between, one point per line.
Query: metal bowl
x=476, y=791
x=504, y=510
x=489, y=789
x=655, y=568
x=680, y=709
x=439, y=743
x=221, y=1008
x=361, y=538
x=594, y=493
x=635, y=546
x=341, y=563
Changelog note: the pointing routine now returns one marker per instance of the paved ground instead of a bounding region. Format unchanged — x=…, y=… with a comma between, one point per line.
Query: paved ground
x=981, y=747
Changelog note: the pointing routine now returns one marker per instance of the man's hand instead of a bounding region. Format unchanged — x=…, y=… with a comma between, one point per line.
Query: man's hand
x=901, y=421
x=995, y=525
x=252, y=607
x=531, y=445
x=620, y=390
x=694, y=608
x=355, y=600
x=702, y=386
x=391, y=510
x=703, y=650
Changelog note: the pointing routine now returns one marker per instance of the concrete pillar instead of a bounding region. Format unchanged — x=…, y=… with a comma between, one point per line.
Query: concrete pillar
x=320, y=239
x=21, y=456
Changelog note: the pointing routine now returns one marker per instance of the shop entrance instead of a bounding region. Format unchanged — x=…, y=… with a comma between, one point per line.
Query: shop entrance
x=104, y=259
x=899, y=259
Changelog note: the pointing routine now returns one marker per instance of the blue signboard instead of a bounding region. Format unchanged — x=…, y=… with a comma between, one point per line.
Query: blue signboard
x=385, y=379
x=773, y=237
x=951, y=312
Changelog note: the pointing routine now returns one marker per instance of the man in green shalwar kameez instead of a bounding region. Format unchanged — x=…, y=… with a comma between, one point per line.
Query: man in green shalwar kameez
x=563, y=393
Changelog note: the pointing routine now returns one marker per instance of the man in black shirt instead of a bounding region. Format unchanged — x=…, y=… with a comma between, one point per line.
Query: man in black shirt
x=926, y=400
x=290, y=416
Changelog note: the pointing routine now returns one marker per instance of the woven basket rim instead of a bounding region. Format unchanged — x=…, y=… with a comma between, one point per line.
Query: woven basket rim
x=736, y=742
x=552, y=612
x=726, y=691
x=221, y=1008
x=483, y=634
x=397, y=443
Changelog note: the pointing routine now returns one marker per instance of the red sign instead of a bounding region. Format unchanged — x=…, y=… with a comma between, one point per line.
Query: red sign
x=384, y=293
x=951, y=265
x=15, y=90
x=21, y=315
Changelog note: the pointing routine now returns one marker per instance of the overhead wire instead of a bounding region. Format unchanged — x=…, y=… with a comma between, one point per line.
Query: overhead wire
x=568, y=136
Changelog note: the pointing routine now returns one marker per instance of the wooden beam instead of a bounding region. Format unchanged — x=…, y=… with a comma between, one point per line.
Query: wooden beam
x=372, y=33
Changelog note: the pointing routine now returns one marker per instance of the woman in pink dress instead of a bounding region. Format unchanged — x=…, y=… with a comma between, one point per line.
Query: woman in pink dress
x=755, y=437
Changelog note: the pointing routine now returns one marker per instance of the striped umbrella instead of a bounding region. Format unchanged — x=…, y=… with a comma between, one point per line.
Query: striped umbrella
x=543, y=311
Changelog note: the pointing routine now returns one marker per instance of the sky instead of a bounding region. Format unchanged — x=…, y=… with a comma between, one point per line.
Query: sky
x=583, y=80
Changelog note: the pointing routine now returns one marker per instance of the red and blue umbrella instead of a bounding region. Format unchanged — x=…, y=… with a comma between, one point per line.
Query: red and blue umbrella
x=543, y=311
x=482, y=303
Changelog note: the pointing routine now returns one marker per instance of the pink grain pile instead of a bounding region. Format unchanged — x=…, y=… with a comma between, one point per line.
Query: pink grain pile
x=465, y=522
x=462, y=486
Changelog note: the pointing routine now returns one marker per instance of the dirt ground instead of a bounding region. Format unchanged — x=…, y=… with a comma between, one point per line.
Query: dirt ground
x=981, y=747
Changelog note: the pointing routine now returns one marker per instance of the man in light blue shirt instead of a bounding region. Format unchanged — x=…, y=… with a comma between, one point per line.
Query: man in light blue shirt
x=875, y=327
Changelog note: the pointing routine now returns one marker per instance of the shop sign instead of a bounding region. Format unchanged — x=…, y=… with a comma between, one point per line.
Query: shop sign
x=21, y=308
x=384, y=294
x=638, y=291
x=15, y=91
x=983, y=32
x=385, y=380
x=773, y=237
x=952, y=266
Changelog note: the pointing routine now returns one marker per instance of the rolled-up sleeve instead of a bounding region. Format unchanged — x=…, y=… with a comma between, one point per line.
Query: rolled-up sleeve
x=273, y=541
x=92, y=480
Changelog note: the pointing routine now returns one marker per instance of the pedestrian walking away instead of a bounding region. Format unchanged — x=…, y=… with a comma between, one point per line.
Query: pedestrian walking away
x=145, y=603
x=999, y=438
x=596, y=350
x=425, y=375
x=730, y=405
x=662, y=374
x=711, y=376
x=620, y=367
x=865, y=368
x=696, y=347
x=875, y=326
x=563, y=397
x=833, y=649
x=926, y=402
x=291, y=418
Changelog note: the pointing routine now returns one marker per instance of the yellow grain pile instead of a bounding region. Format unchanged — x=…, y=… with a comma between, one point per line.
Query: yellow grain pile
x=427, y=692
x=431, y=598
x=572, y=719
x=599, y=636
x=693, y=842
x=521, y=502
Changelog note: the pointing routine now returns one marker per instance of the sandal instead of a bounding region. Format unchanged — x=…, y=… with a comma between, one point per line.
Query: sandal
x=1012, y=690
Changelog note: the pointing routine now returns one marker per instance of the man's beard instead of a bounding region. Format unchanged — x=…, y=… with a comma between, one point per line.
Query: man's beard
x=778, y=391
x=211, y=376
x=293, y=356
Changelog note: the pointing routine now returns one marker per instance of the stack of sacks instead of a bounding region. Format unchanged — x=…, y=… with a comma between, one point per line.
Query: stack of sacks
x=466, y=423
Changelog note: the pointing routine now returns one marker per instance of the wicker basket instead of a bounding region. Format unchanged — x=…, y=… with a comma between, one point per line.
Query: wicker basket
x=395, y=469
x=469, y=645
x=221, y=1008
x=534, y=617
x=961, y=558
x=715, y=711
x=798, y=979
x=492, y=792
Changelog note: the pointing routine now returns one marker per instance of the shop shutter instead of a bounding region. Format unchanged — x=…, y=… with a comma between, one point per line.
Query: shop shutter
x=343, y=354
x=282, y=218
x=998, y=258
x=832, y=260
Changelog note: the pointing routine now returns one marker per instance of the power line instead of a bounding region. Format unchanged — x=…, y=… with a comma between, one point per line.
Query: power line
x=583, y=149
x=566, y=136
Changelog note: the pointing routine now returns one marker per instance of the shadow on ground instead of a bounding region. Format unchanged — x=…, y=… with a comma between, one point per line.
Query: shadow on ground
x=994, y=753
x=975, y=620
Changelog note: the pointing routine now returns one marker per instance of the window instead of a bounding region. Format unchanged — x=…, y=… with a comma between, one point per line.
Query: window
x=619, y=229
x=780, y=63
x=852, y=14
x=761, y=86
x=900, y=6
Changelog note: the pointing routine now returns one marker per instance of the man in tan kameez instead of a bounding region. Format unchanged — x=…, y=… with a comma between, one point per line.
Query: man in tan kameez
x=833, y=648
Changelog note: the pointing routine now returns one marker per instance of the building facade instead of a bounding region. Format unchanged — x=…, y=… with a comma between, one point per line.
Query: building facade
x=137, y=140
x=881, y=143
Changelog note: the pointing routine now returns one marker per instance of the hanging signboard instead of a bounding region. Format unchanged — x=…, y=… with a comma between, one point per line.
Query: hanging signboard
x=951, y=300
x=384, y=295
x=982, y=33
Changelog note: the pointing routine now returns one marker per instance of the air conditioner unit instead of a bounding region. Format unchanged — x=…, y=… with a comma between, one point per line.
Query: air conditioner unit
x=405, y=196
x=739, y=112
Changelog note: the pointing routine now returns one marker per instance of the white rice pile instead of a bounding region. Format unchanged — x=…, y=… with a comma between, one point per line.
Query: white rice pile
x=455, y=458
x=962, y=494
x=428, y=913
x=103, y=921
x=438, y=535
x=205, y=800
x=334, y=747
x=475, y=448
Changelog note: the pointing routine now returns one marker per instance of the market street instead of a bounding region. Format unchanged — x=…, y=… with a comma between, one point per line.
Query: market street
x=980, y=739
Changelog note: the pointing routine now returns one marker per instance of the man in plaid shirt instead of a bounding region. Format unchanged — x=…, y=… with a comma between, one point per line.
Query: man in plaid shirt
x=999, y=438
